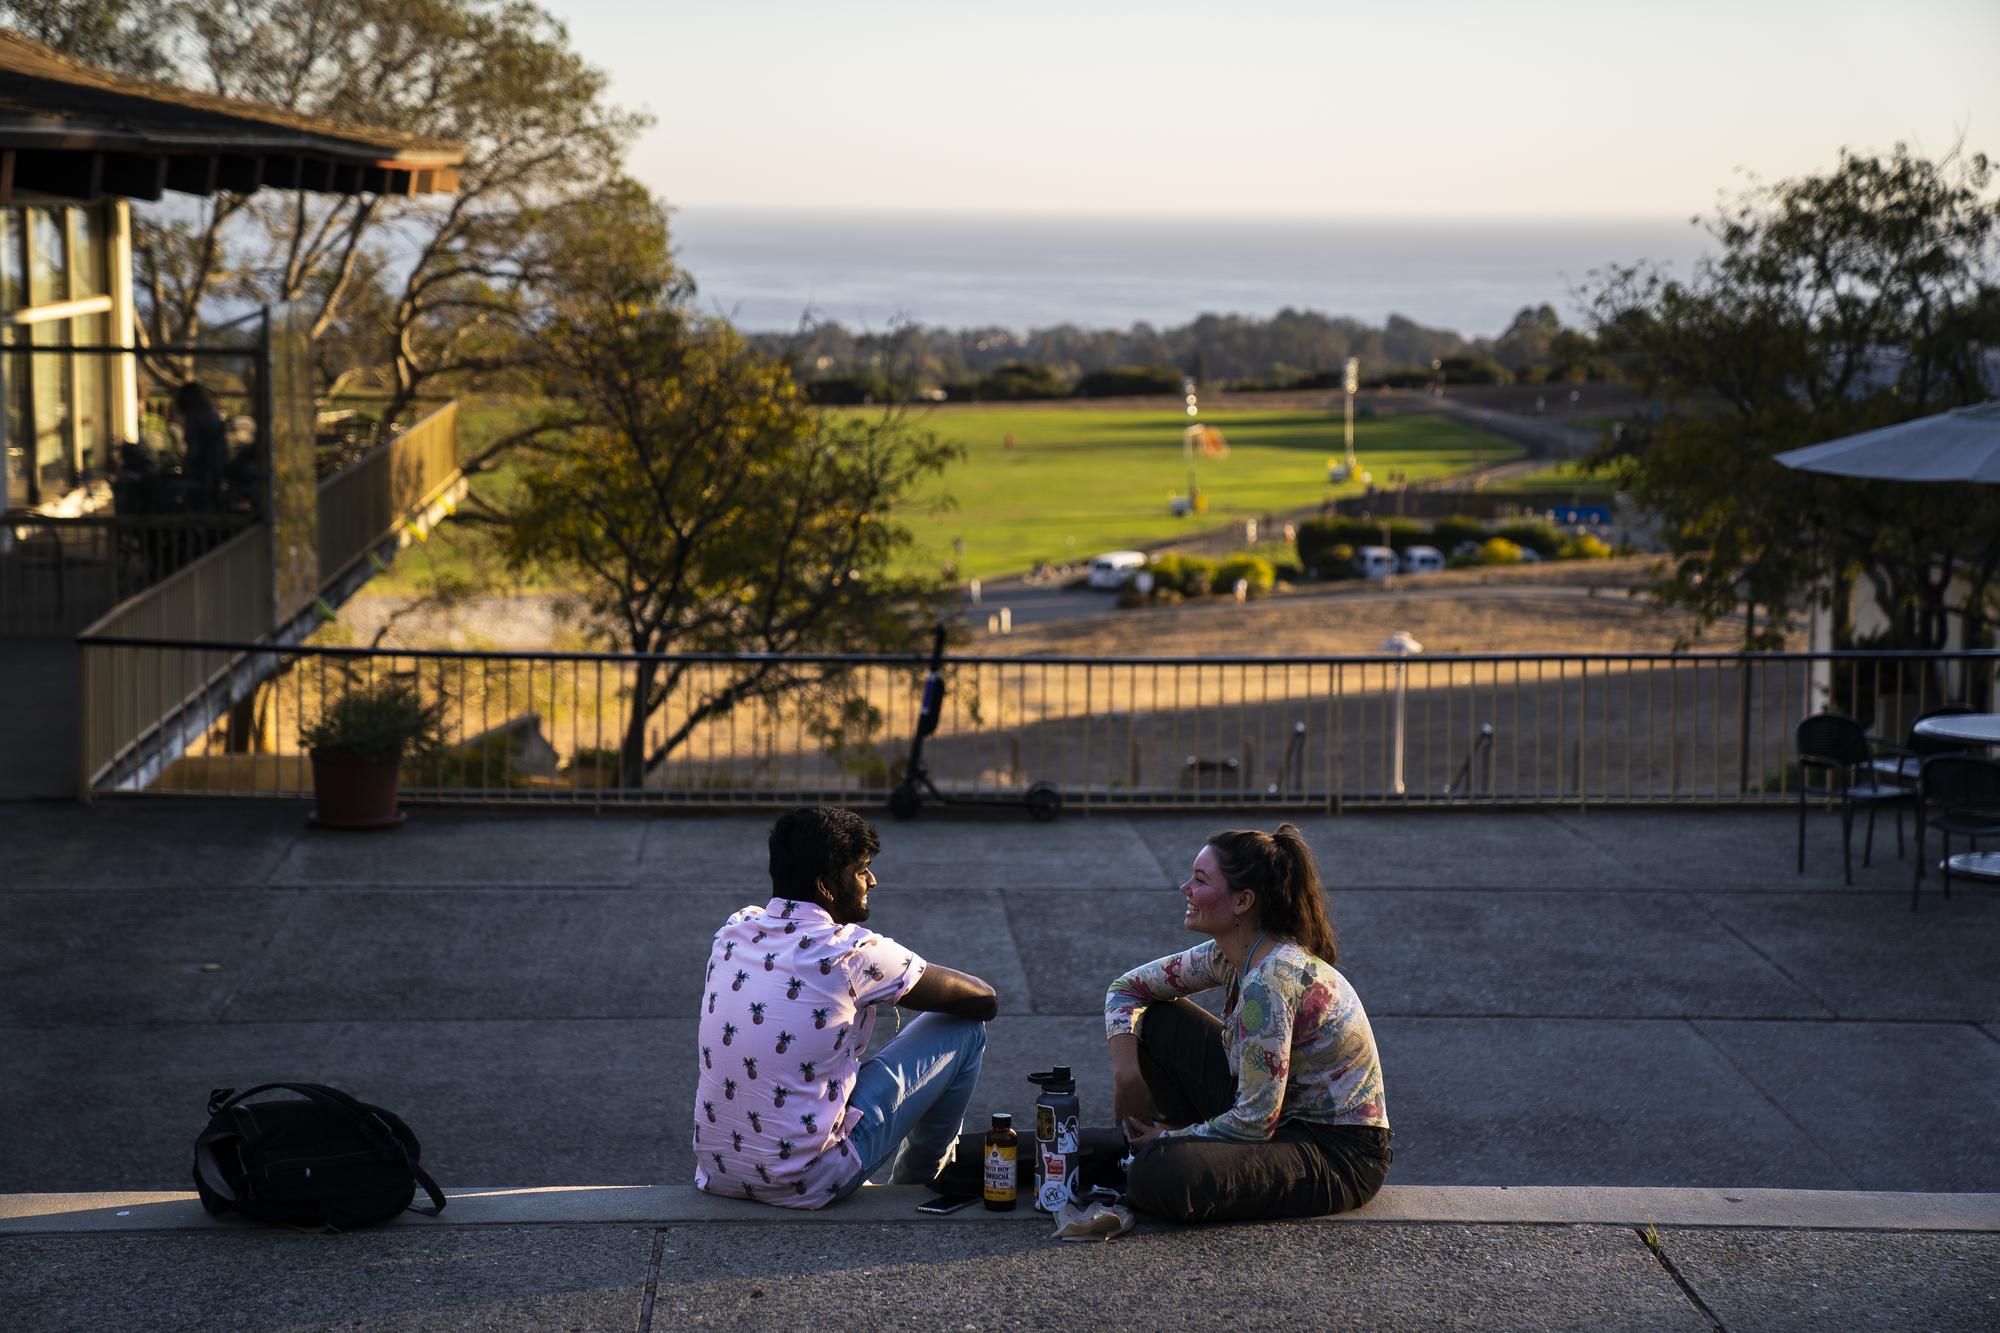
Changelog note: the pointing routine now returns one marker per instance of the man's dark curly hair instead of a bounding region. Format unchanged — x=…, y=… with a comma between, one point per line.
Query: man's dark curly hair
x=815, y=843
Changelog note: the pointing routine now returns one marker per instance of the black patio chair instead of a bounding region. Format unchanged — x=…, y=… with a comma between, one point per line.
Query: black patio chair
x=1899, y=763
x=1836, y=743
x=1956, y=793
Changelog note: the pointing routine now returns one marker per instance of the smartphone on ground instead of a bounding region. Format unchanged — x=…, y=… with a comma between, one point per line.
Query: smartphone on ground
x=939, y=1205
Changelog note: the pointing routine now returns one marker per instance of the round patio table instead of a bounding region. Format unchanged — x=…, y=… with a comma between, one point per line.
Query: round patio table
x=1981, y=865
x=1965, y=728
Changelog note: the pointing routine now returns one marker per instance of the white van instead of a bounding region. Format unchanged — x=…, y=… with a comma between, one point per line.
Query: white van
x=1421, y=560
x=1114, y=569
x=1374, y=562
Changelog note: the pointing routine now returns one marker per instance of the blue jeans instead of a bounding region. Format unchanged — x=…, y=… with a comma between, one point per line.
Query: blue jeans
x=912, y=1095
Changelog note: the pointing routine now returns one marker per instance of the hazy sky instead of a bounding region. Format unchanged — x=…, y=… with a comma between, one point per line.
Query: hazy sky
x=1281, y=108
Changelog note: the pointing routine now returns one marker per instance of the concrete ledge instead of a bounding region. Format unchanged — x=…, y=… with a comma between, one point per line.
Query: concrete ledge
x=1833, y=1210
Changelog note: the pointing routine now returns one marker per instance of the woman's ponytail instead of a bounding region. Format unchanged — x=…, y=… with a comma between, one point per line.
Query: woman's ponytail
x=1279, y=868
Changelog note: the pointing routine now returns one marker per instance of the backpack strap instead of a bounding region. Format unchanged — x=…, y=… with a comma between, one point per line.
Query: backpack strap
x=356, y=1113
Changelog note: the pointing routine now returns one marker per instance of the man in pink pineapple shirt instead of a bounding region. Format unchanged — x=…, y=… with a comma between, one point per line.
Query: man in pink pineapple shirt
x=786, y=1110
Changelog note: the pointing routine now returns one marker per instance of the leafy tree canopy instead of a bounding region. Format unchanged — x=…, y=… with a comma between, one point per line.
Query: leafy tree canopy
x=1838, y=303
x=704, y=502
x=416, y=287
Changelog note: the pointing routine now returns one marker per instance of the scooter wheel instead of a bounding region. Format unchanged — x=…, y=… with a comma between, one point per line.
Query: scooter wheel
x=904, y=803
x=1044, y=802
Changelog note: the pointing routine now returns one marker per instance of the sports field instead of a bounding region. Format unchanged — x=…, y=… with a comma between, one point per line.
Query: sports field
x=1077, y=481
x=1080, y=481
x=1571, y=477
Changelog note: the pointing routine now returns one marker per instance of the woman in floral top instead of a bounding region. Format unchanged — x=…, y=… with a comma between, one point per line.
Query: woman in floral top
x=1276, y=1110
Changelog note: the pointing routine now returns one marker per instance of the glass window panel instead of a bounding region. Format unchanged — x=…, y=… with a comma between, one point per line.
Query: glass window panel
x=48, y=267
x=87, y=273
x=13, y=263
x=93, y=398
x=54, y=393
x=20, y=445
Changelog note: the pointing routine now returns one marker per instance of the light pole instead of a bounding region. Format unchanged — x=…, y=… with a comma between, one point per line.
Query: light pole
x=1187, y=446
x=1351, y=378
x=1403, y=647
x=1437, y=373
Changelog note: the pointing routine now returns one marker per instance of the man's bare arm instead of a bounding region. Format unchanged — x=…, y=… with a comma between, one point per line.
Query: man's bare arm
x=941, y=990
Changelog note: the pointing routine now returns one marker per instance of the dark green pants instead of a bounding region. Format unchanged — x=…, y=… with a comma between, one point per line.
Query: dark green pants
x=1303, y=1170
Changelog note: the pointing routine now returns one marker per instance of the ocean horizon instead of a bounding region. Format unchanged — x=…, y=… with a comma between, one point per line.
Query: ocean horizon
x=769, y=269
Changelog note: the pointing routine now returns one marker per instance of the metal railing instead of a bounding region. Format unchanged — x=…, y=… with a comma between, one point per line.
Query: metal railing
x=1306, y=733
x=222, y=598
x=366, y=503
x=57, y=575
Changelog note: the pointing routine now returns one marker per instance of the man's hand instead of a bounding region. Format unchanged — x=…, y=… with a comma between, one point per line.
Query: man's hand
x=941, y=990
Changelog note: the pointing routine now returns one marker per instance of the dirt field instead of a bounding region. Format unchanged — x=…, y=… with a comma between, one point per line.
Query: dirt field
x=1567, y=608
x=1557, y=608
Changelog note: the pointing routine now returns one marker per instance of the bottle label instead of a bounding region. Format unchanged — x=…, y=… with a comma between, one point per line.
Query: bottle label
x=1054, y=1192
x=999, y=1174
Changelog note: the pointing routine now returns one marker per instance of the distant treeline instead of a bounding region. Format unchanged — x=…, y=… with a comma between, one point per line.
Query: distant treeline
x=1294, y=349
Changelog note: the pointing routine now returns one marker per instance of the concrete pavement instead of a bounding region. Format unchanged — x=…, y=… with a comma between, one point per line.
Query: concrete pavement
x=1610, y=999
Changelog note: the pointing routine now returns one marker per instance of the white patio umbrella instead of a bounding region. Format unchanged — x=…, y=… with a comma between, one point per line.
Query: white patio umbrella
x=1960, y=445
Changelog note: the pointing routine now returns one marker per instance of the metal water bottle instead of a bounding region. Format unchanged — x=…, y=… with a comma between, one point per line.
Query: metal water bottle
x=1056, y=1159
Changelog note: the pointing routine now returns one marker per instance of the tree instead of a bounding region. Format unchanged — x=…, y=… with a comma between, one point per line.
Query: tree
x=704, y=503
x=495, y=75
x=1838, y=303
x=113, y=34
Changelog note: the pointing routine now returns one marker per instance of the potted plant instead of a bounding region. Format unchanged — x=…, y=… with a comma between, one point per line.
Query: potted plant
x=358, y=745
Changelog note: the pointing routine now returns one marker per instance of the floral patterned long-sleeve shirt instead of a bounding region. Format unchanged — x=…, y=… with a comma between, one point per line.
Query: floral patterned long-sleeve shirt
x=1294, y=1032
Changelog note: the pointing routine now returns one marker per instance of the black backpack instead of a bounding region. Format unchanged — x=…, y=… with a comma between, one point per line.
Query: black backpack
x=325, y=1162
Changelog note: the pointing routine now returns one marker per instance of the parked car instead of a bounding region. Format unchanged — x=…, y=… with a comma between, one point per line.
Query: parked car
x=1421, y=560
x=1374, y=562
x=1114, y=569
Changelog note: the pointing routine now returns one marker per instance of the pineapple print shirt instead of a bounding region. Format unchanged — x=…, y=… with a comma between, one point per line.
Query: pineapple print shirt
x=786, y=1012
x=1294, y=1032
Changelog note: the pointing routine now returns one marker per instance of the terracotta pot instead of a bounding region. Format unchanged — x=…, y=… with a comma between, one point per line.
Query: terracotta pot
x=354, y=793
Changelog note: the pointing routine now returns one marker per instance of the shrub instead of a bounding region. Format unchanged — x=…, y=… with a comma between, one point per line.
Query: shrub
x=1016, y=380
x=850, y=390
x=1449, y=533
x=1538, y=535
x=1129, y=382
x=488, y=762
x=1340, y=564
x=1498, y=551
x=1585, y=546
x=1315, y=541
x=1253, y=569
x=1316, y=537
x=1402, y=532
x=1473, y=370
x=1188, y=575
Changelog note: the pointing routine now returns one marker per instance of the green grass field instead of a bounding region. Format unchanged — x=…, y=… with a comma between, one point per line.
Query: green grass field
x=1077, y=481
x=1556, y=477
x=1082, y=481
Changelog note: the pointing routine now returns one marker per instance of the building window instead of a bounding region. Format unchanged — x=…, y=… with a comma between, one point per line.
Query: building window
x=57, y=403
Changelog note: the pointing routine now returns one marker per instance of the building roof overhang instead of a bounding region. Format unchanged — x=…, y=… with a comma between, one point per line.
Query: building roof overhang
x=72, y=131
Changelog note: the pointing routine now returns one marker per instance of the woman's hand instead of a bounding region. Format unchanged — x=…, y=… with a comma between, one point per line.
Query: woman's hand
x=1132, y=1100
x=1139, y=1133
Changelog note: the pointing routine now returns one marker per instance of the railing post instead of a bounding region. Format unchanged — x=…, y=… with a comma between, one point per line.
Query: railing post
x=84, y=713
x=1743, y=726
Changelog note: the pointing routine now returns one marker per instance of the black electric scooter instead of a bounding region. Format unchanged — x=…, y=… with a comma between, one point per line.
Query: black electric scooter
x=1042, y=799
